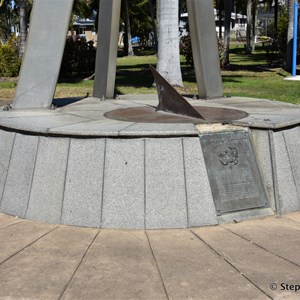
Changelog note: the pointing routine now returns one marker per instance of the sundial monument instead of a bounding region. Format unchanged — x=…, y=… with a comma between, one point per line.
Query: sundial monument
x=141, y=161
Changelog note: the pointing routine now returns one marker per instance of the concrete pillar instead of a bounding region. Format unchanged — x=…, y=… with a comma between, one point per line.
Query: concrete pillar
x=107, y=48
x=205, y=48
x=43, y=54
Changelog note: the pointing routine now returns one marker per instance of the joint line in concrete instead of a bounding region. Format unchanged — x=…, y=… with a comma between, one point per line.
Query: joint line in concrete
x=79, y=264
x=224, y=258
x=157, y=266
x=261, y=247
x=10, y=225
x=30, y=244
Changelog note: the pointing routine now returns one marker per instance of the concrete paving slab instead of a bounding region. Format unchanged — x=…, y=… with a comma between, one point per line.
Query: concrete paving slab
x=19, y=236
x=191, y=270
x=44, y=269
x=294, y=217
x=271, y=234
x=41, y=262
x=266, y=270
x=119, y=265
x=6, y=221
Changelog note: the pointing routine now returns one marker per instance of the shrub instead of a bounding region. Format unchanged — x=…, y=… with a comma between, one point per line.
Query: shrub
x=186, y=50
x=276, y=52
x=10, y=62
x=78, y=59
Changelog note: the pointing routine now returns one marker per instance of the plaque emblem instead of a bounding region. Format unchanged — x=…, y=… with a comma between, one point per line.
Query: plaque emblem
x=230, y=156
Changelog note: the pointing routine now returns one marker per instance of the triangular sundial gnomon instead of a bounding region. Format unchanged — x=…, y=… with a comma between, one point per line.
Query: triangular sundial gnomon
x=170, y=100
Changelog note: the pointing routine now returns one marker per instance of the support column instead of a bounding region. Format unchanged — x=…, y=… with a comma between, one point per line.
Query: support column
x=107, y=48
x=43, y=53
x=205, y=48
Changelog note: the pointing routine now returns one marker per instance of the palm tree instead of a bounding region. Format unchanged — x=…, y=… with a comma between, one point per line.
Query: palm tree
x=228, y=8
x=289, y=52
x=128, y=50
x=23, y=27
x=168, y=64
x=249, y=25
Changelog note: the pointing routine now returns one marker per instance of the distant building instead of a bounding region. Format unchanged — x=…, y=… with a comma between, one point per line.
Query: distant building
x=85, y=27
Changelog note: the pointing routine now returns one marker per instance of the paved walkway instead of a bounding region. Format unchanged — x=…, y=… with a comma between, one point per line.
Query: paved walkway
x=257, y=259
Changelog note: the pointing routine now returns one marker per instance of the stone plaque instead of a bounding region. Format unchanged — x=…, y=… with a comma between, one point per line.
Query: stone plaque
x=233, y=172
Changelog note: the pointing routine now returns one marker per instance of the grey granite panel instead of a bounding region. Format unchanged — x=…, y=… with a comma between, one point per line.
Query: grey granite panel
x=268, y=120
x=150, y=129
x=123, y=198
x=19, y=177
x=41, y=124
x=165, y=184
x=93, y=128
x=48, y=183
x=287, y=196
x=263, y=153
x=6, y=145
x=83, y=191
x=201, y=208
x=292, y=139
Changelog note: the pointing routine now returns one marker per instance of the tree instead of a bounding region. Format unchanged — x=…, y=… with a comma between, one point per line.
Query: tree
x=228, y=8
x=7, y=17
x=289, y=49
x=168, y=64
x=128, y=50
x=249, y=25
x=23, y=26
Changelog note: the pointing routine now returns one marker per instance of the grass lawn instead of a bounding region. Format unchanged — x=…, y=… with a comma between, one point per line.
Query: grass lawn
x=247, y=76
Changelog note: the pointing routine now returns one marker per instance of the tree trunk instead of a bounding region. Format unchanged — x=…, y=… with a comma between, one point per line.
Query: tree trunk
x=249, y=26
x=23, y=27
x=168, y=64
x=276, y=17
x=289, y=48
x=228, y=7
x=220, y=19
x=151, y=8
x=128, y=50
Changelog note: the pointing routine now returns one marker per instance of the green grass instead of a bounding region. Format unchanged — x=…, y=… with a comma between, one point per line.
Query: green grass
x=248, y=76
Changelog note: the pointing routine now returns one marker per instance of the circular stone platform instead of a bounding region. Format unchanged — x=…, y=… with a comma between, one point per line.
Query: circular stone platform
x=73, y=165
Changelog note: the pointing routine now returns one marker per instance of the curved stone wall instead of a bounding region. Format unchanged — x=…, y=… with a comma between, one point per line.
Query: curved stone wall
x=132, y=182
x=105, y=182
